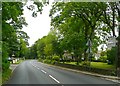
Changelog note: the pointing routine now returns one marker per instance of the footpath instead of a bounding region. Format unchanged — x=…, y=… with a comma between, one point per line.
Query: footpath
x=13, y=66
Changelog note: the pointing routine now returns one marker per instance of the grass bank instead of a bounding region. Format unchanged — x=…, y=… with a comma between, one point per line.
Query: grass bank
x=100, y=65
x=0, y=78
x=6, y=75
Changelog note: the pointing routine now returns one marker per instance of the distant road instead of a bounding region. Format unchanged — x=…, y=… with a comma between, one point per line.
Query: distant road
x=33, y=72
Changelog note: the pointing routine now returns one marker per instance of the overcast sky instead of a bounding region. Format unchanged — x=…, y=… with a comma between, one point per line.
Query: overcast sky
x=39, y=26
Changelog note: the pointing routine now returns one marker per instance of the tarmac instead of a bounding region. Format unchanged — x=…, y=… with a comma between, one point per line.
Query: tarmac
x=111, y=78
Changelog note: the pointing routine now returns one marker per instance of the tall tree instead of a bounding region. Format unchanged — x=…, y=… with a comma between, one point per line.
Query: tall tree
x=81, y=18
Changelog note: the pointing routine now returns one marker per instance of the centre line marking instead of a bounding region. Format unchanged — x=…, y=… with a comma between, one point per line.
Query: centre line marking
x=43, y=71
x=54, y=79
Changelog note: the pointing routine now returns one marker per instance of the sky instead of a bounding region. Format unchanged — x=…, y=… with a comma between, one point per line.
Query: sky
x=39, y=26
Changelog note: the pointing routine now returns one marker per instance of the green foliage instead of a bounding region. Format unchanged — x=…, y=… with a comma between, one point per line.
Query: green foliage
x=48, y=57
x=23, y=48
x=111, y=55
x=5, y=63
x=103, y=59
x=85, y=63
x=103, y=53
x=6, y=75
x=77, y=25
x=40, y=60
x=47, y=61
x=71, y=29
x=56, y=58
x=12, y=23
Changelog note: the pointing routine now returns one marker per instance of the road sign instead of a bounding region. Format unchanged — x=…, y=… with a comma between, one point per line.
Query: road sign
x=89, y=43
x=89, y=50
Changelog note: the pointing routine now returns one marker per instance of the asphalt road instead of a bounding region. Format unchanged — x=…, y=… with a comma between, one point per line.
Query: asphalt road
x=33, y=72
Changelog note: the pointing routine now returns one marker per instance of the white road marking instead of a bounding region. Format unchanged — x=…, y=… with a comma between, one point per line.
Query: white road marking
x=54, y=79
x=37, y=68
x=33, y=65
x=43, y=71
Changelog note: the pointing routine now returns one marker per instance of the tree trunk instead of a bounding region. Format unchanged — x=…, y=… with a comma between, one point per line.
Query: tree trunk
x=118, y=56
x=113, y=26
x=118, y=44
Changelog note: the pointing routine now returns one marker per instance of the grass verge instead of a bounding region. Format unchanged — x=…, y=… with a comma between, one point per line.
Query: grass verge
x=6, y=75
x=100, y=65
x=0, y=78
x=18, y=62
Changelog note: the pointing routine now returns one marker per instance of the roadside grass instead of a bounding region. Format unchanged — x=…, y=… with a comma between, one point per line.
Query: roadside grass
x=6, y=75
x=100, y=65
x=0, y=78
x=18, y=62
x=73, y=63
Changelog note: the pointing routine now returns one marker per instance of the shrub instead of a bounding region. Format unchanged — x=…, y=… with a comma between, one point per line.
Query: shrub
x=40, y=60
x=56, y=58
x=111, y=55
x=47, y=61
x=48, y=57
x=53, y=62
x=85, y=63
x=103, y=58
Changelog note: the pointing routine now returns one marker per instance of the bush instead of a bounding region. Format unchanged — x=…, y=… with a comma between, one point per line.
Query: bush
x=5, y=66
x=85, y=63
x=111, y=55
x=53, y=62
x=47, y=61
x=40, y=60
x=103, y=59
x=5, y=62
x=48, y=57
x=56, y=58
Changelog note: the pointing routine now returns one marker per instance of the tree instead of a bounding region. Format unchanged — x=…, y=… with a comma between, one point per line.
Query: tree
x=12, y=23
x=82, y=22
x=23, y=48
x=11, y=15
x=40, y=47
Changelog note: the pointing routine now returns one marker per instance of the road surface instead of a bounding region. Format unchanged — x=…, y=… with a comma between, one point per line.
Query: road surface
x=33, y=72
